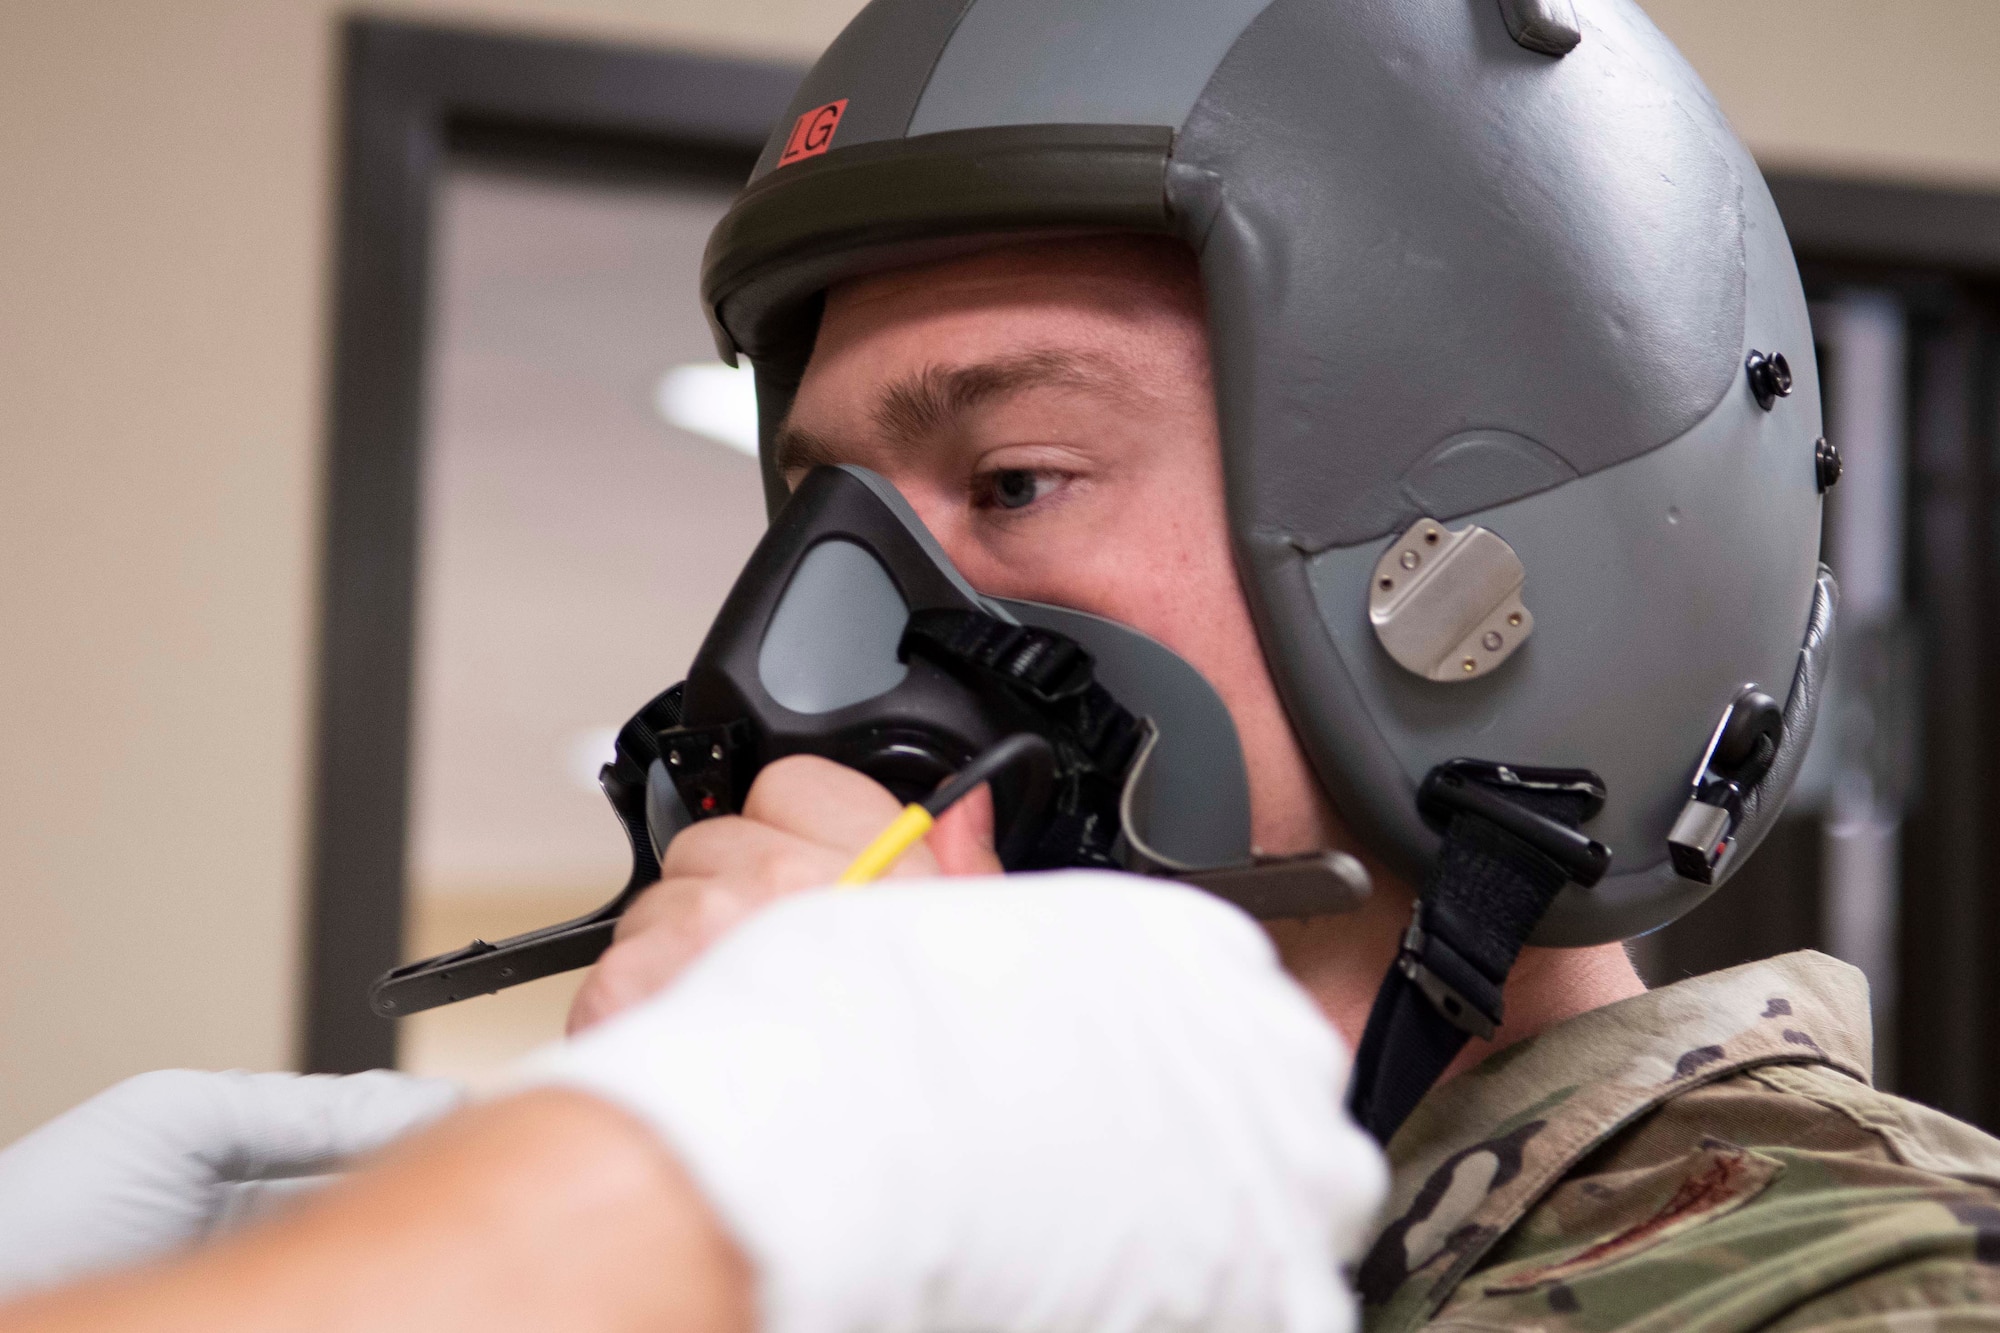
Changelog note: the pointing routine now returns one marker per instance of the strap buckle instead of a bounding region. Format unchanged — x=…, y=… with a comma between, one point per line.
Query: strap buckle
x=1489, y=790
x=1462, y=995
x=1047, y=667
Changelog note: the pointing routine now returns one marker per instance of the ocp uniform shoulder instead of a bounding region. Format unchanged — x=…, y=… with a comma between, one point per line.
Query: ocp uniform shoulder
x=1781, y=1196
x=1707, y=1156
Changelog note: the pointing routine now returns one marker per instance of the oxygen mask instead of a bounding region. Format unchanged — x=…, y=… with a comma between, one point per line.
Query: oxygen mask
x=850, y=635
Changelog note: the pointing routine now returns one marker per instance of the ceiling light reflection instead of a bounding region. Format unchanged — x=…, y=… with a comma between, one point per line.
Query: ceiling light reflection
x=709, y=399
x=589, y=750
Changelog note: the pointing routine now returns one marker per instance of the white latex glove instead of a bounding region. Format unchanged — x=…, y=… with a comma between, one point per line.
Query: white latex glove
x=163, y=1160
x=1067, y=1103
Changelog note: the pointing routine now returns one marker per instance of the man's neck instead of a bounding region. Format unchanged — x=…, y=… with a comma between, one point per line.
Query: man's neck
x=1341, y=961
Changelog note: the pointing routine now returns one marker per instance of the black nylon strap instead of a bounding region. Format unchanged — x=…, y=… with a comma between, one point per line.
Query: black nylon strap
x=1050, y=670
x=1485, y=895
x=1052, y=680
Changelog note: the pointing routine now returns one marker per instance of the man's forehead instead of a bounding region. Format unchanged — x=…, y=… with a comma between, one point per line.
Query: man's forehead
x=905, y=355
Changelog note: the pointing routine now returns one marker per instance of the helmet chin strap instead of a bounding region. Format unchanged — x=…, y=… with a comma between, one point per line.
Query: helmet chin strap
x=1511, y=842
x=1510, y=845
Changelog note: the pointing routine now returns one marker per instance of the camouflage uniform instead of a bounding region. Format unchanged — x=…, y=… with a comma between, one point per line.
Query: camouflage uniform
x=1708, y=1156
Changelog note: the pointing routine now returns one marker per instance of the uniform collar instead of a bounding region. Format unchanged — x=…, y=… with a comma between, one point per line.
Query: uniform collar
x=1481, y=1149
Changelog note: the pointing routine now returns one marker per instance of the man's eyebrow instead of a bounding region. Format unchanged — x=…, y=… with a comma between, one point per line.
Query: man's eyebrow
x=914, y=409
x=799, y=450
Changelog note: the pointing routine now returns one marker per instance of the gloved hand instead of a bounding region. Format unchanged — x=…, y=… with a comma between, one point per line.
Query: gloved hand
x=1066, y=1102
x=164, y=1159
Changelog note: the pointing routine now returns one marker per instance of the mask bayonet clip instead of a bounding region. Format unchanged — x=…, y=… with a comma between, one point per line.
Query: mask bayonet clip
x=1702, y=841
x=707, y=764
x=1322, y=883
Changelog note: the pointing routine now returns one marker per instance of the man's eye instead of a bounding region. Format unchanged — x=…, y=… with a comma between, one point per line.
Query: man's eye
x=1014, y=488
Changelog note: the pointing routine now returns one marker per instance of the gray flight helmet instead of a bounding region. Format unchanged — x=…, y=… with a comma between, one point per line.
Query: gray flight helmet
x=1476, y=270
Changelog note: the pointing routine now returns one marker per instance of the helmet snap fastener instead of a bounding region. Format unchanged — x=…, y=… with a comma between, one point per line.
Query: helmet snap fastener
x=1456, y=615
x=1826, y=464
x=1770, y=377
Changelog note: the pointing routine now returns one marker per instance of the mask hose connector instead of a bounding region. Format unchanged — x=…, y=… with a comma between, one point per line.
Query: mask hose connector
x=879, y=857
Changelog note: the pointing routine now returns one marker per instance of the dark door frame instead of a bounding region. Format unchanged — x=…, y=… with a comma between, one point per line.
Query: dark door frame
x=1834, y=220
x=414, y=96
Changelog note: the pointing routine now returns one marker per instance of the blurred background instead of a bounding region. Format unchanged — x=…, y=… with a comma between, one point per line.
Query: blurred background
x=364, y=463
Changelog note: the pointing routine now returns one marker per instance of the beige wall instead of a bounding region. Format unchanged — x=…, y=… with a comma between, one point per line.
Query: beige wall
x=163, y=248
x=1908, y=90
x=164, y=206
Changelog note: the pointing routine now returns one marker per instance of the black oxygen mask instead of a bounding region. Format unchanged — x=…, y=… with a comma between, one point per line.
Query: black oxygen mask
x=850, y=635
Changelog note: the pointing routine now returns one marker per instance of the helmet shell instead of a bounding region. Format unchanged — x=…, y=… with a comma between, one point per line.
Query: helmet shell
x=1447, y=276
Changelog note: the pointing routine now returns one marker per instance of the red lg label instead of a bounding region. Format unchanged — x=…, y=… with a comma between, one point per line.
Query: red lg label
x=813, y=134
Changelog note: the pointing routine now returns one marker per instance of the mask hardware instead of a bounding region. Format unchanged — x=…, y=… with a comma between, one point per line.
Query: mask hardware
x=1268, y=887
x=1740, y=751
x=1447, y=605
x=705, y=764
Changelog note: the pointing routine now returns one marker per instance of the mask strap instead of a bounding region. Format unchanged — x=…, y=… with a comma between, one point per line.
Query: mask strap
x=1510, y=845
x=1051, y=677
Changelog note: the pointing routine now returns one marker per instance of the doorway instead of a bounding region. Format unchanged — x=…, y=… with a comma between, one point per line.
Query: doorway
x=539, y=489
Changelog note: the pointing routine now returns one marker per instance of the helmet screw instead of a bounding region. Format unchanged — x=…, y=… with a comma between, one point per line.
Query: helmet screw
x=1826, y=464
x=1409, y=560
x=1492, y=641
x=1770, y=377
